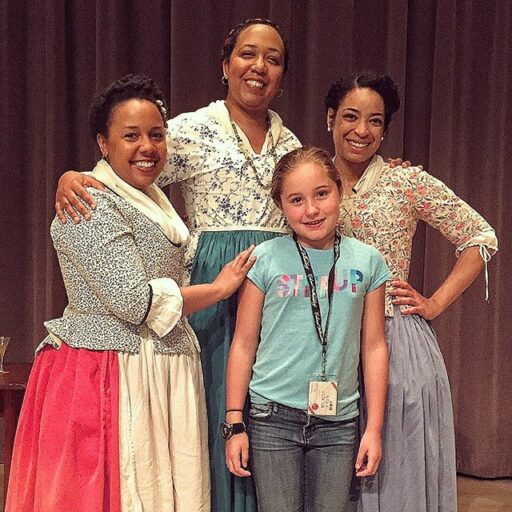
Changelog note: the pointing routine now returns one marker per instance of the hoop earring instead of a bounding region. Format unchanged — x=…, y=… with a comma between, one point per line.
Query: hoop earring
x=224, y=80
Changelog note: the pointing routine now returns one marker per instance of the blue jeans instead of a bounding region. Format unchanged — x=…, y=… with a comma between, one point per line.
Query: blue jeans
x=300, y=463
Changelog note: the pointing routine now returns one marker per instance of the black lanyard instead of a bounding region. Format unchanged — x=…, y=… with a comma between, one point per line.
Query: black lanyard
x=313, y=295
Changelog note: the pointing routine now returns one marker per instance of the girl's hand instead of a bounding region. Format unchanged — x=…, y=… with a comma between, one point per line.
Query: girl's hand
x=369, y=454
x=72, y=186
x=405, y=295
x=233, y=274
x=237, y=454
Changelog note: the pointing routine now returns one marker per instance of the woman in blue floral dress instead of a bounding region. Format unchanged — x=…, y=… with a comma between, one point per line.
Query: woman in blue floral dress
x=223, y=157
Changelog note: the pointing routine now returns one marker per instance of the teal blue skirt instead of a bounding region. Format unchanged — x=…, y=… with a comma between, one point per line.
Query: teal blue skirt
x=215, y=327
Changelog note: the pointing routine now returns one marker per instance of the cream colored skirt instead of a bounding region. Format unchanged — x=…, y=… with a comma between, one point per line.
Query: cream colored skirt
x=163, y=439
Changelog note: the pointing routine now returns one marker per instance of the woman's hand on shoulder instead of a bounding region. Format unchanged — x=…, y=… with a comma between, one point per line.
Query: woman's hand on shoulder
x=237, y=454
x=72, y=187
x=398, y=162
x=233, y=274
x=405, y=295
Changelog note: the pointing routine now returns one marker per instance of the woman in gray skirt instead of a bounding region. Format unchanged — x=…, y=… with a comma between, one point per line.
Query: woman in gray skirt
x=381, y=206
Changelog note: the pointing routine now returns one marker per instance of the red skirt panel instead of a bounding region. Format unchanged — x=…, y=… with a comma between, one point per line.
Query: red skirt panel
x=66, y=451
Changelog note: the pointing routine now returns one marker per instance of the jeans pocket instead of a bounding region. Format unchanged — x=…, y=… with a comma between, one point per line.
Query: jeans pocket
x=260, y=411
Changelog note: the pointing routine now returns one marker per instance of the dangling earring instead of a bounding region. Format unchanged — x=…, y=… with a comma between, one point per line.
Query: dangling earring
x=280, y=93
x=382, y=138
x=224, y=80
x=105, y=157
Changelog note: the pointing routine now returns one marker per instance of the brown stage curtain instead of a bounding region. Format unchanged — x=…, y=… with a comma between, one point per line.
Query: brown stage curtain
x=452, y=59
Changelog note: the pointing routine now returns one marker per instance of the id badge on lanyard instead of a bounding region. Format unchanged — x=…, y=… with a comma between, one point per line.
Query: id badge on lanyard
x=323, y=394
x=323, y=398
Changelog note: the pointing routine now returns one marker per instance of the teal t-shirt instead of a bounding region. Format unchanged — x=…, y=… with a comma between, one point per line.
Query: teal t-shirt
x=289, y=354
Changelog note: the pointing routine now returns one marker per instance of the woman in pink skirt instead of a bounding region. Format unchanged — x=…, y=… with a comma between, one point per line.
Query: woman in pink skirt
x=114, y=416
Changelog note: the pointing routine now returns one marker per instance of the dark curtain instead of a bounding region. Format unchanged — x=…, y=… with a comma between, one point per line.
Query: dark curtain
x=452, y=59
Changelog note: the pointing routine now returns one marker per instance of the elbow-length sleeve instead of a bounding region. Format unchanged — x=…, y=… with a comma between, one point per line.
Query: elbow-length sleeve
x=104, y=254
x=441, y=208
x=166, y=306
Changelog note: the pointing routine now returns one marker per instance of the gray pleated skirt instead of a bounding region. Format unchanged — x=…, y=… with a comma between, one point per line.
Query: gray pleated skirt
x=417, y=472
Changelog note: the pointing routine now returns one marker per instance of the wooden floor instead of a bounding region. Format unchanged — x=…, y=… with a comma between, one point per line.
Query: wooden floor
x=475, y=495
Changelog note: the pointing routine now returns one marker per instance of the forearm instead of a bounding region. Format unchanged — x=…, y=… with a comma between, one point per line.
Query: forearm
x=232, y=275
x=375, y=368
x=239, y=369
x=200, y=296
x=464, y=272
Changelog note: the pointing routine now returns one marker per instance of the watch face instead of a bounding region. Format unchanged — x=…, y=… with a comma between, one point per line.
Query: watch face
x=226, y=430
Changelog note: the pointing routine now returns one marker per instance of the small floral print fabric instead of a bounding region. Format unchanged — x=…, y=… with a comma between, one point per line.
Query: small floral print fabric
x=222, y=188
x=107, y=264
x=386, y=216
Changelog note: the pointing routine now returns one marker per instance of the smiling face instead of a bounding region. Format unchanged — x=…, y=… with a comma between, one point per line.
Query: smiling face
x=255, y=68
x=358, y=127
x=135, y=144
x=310, y=201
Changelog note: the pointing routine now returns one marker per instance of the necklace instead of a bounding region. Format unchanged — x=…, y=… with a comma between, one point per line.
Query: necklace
x=248, y=158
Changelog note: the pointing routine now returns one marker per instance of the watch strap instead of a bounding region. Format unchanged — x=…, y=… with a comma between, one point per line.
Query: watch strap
x=238, y=428
x=228, y=430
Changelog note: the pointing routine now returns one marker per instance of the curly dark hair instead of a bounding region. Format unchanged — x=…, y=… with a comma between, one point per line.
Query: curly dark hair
x=295, y=158
x=383, y=85
x=126, y=88
x=232, y=38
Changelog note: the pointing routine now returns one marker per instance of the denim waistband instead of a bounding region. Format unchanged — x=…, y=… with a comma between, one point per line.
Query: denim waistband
x=293, y=415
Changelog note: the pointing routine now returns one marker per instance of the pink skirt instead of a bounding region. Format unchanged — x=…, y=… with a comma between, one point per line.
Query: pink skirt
x=66, y=452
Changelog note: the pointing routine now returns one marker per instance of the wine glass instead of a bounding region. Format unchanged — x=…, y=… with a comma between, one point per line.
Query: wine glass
x=4, y=341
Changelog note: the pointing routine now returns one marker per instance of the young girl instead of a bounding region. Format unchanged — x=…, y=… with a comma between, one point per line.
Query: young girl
x=310, y=301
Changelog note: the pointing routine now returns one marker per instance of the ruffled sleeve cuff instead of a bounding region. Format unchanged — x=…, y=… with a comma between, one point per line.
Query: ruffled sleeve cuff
x=486, y=239
x=166, y=306
x=487, y=246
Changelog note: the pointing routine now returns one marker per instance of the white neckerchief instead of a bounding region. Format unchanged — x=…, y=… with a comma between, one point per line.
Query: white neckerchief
x=151, y=202
x=218, y=110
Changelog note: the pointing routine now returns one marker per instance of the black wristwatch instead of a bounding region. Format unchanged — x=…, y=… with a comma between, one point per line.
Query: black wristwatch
x=228, y=430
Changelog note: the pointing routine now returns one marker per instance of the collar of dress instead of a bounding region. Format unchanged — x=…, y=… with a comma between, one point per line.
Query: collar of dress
x=371, y=175
x=151, y=202
x=218, y=111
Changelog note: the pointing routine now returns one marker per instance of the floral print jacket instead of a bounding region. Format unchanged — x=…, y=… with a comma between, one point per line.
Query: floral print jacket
x=386, y=214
